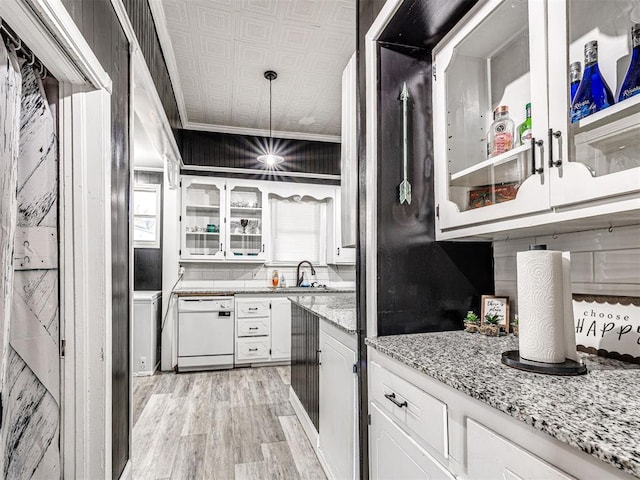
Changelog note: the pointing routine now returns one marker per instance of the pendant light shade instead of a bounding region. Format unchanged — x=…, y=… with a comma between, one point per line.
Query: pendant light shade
x=270, y=158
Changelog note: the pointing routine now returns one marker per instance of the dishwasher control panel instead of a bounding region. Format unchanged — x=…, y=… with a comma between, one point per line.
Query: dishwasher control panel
x=205, y=304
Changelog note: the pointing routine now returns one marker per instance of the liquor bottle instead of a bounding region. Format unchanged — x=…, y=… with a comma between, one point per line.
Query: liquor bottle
x=593, y=93
x=575, y=69
x=631, y=84
x=501, y=132
x=524, y=129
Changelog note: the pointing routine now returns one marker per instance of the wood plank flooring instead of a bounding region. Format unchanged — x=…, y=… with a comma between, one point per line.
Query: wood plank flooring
x=231, y=424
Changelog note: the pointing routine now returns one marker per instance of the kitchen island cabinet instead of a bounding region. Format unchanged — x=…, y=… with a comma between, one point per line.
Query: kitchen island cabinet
x=497, y=421
x=324, y=380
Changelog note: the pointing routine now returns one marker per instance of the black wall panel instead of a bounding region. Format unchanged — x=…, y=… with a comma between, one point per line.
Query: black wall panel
x=305, y=367
x=145, y=29
x=240, y=151
x=147, y=262
x=99, y=24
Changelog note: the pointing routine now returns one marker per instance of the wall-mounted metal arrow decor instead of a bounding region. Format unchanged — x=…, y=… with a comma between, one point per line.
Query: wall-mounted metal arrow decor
x=405, y=186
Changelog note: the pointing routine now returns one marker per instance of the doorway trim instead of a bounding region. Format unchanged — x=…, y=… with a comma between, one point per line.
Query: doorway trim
x=84, y=228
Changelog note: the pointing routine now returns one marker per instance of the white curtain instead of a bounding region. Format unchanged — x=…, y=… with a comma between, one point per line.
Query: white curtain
x=31, y=393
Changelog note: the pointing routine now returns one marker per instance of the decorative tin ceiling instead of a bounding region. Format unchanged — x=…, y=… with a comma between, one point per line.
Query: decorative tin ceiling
x=221, y=49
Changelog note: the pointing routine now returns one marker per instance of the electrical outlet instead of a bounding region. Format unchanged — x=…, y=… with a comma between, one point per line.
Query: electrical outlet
x=143, y=363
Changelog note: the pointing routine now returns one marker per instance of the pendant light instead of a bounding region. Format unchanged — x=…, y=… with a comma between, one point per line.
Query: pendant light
x=270, y=158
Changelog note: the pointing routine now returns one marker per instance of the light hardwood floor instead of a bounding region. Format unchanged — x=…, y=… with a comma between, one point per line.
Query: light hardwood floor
x=232, y=424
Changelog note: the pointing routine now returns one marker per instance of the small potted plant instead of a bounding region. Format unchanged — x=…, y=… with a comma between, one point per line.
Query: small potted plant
x=490, y=326
x=471, y=322
x=515, y=325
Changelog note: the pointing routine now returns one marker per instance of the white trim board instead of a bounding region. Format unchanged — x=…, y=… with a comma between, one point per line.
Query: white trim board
x=267, y=172
x=305, y=421
x=259, y=132
x=51, y=34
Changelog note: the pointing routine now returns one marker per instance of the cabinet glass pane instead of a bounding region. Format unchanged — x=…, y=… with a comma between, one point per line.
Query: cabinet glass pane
x=245, y=221
x=490, y=68
x=202, y=219
x=606, y=140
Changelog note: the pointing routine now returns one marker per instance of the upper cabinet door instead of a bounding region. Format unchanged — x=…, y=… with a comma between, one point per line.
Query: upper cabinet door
x=202, y=219
x=246, y=236
x=596, y=144
x=489, y=75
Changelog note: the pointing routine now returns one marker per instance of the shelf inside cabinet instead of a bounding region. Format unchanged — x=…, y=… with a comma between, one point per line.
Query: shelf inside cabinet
x=203, y=207
x=246, y=234
x=618, y=109
x=204, y=233
x=502, y=168
x=246, y=209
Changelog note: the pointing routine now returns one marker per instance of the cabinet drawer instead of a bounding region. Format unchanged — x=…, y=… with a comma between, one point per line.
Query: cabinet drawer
x=491, y=456
x=423, y=415
x=252, y=349
x=253, y=327
x=252, y=308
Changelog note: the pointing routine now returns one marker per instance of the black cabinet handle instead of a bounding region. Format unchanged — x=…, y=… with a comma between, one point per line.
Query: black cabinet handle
x=392, y=398
x=253, y=349
x=553, y=135
x=253, y=308
x=338, y=251
x=253, y=328
x=263, y=248
x=535, y=143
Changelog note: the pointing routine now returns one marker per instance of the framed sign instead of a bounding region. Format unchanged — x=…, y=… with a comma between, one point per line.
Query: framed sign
x=496, y=307
x=608, y=326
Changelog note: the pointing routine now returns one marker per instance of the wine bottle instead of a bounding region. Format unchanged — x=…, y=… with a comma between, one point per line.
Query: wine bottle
x=575, y=69
x=631, y=84
x=524, y=129
x=593, y=93
x=501, y=132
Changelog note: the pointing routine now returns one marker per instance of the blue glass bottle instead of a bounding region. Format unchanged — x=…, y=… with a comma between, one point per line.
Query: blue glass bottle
x=575, y=69
x=631, y=84
x=593, y=93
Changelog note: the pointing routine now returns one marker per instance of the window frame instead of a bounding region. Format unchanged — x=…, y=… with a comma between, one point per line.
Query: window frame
x=154, y=188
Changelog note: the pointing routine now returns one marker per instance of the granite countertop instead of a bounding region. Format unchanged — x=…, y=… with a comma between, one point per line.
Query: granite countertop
x=339, y=310
x=230, y=291
x=597, y=412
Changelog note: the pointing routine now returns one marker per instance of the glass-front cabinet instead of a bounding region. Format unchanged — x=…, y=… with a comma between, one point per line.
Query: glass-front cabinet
x=202, y=219
x=509, y=142
x=596, y=134
x=246, y=223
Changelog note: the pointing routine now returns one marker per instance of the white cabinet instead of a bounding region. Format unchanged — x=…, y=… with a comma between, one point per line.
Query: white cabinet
x=202, y=219
x=263, y=330
x=246, y=236
x=336, y=253
x=349, y=156
x=280, y=329
x=512, y=53
x=491, y=456
x=338, y=403
x=396, y=456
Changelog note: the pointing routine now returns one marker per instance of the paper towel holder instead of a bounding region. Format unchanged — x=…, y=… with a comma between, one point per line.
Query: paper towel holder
x=568, y=368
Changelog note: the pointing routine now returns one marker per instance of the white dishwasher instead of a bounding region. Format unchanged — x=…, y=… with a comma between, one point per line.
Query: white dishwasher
x=205, y=333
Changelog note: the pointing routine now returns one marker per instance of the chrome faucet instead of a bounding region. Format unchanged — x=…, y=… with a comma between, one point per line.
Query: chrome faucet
x=298, y=277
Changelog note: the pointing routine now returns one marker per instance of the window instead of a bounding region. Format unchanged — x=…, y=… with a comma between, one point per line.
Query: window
x=297, y=229
x=146, y=216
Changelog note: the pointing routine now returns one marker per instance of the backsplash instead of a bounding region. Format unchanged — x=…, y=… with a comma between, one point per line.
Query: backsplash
x=260, y=275
x=603, y=262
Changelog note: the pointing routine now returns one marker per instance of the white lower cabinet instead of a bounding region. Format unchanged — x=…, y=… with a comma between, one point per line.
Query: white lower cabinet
x=338, y=403
x=396, y=456
x=263, y=330
x=490, y=456
x=280, y=329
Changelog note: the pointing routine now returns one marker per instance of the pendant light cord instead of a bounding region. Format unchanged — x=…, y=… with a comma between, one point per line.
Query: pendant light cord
x=270, y=115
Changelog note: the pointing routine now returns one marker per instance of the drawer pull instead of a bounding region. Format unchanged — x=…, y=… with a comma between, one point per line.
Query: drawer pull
x=253, y=328
x=253, y=349
x=392, y=398
x=253, y=308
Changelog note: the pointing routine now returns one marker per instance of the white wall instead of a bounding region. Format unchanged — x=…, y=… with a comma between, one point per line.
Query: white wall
x=603, y=262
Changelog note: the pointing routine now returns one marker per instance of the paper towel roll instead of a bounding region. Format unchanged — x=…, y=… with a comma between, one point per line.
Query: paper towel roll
x=567, y=298
x=541, y=306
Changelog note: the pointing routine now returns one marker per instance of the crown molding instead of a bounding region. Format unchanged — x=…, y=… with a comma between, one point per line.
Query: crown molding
x=259, y=132
x=160, y=19
x=255, y=171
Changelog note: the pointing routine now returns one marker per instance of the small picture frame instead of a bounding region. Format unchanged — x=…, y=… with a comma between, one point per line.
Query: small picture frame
x=493, y=305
